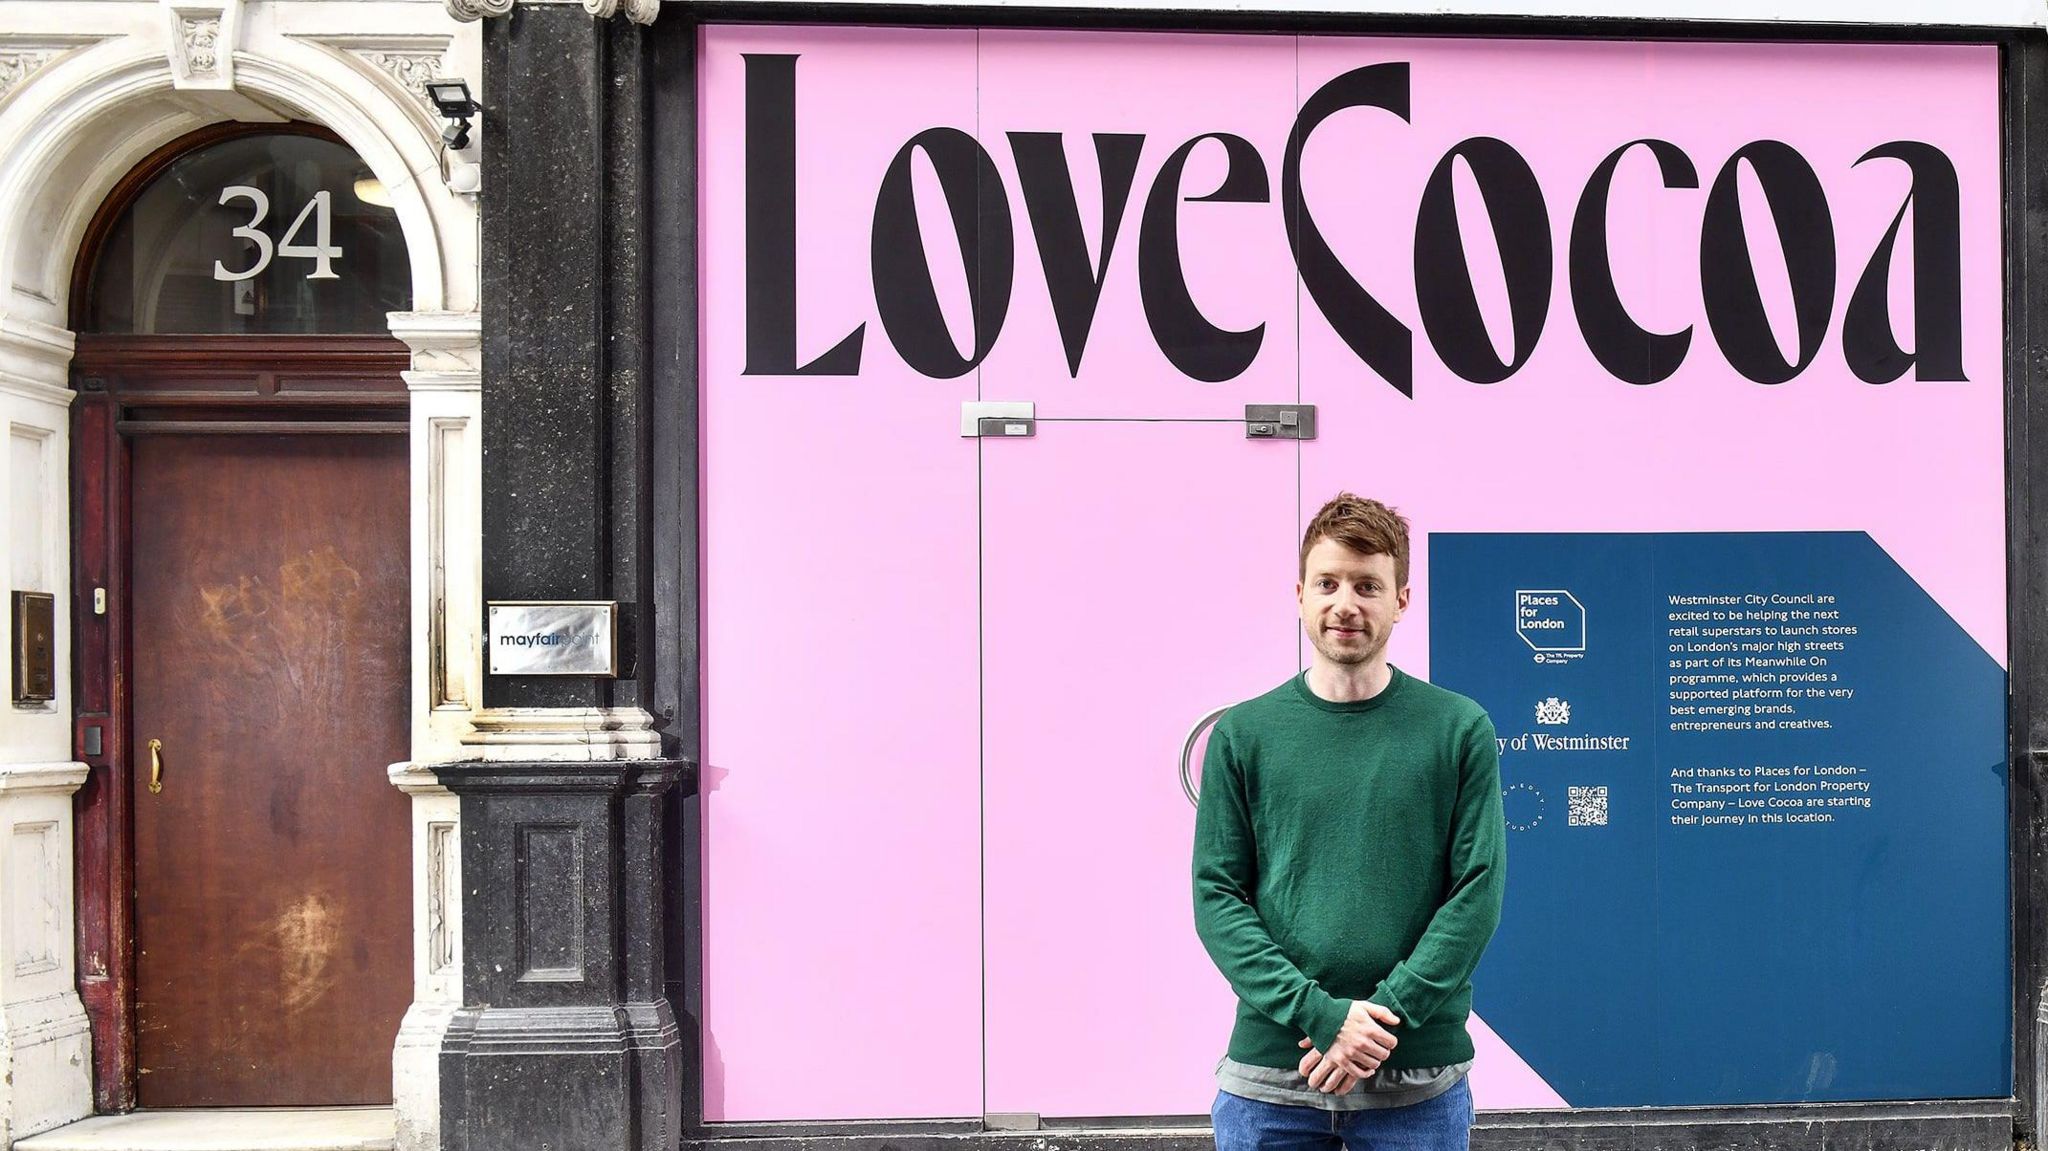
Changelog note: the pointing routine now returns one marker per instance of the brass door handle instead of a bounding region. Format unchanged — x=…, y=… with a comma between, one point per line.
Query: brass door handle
x=156, y=766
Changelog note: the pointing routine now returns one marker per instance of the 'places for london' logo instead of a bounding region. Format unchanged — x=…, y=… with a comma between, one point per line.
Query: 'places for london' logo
x=1552, y=622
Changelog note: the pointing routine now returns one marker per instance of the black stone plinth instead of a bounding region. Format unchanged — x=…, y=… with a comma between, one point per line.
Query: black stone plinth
x=565, y=1041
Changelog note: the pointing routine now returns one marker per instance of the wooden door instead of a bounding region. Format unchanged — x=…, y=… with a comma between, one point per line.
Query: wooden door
x=269, y=595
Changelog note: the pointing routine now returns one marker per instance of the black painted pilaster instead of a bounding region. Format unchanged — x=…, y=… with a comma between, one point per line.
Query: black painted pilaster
x=672, y=371
x=2026, y=212
x=566, y=1039
x=566, y=441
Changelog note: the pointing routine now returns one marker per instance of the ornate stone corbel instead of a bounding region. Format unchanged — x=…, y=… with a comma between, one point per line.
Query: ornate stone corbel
x=638, y=11
x=202, y=42
x=468, y=10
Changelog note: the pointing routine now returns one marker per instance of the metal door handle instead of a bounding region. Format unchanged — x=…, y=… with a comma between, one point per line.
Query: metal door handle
x=1187, y=751
x=156, y=766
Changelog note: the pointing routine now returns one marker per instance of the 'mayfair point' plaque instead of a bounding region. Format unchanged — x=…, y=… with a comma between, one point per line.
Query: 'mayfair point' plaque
x=554, y=637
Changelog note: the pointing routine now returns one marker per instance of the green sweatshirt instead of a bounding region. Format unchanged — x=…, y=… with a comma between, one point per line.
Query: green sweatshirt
x=1345, y=851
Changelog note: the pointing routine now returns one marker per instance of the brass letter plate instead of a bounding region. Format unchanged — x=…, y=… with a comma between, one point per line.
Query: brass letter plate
x=35, y=647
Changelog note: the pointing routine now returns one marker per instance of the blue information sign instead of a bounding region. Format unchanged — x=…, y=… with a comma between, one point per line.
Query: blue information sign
x=1755, y=787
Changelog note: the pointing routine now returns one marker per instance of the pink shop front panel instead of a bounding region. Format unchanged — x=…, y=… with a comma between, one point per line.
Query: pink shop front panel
x=946, y=679
x=1136, y=575
x=841, y=780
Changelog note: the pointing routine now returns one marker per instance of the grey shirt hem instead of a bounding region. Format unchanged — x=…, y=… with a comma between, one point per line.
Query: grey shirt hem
x=1388, y=1088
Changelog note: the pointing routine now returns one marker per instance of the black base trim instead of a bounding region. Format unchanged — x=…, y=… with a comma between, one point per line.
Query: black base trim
x=1967, y=1125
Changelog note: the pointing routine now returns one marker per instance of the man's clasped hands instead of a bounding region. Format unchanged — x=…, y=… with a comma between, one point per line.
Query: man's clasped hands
x=1363, y=1043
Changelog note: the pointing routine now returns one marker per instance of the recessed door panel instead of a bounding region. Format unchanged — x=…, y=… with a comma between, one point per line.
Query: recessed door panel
x=1136, y=575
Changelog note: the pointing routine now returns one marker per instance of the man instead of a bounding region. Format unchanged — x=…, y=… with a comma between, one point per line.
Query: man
x=1348, y=868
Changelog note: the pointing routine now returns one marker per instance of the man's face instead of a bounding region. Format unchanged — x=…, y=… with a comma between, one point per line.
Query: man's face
x=1349, y=603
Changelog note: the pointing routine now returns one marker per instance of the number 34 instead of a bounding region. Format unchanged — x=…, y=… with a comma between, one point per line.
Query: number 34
x=321, y=251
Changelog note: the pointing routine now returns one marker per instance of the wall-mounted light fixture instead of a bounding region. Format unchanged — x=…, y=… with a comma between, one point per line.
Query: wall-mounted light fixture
x=452, y=99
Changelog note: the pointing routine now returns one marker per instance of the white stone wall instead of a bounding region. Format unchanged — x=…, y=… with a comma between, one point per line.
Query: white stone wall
x=87, y=89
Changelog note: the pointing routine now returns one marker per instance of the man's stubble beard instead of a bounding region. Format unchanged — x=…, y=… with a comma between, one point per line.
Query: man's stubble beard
x=1342, y=658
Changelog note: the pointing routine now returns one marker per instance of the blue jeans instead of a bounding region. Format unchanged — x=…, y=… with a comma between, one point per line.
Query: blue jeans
x=1440, y=1124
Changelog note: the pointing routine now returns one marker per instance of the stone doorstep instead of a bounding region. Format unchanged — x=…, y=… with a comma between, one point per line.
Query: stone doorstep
x=268, y=1129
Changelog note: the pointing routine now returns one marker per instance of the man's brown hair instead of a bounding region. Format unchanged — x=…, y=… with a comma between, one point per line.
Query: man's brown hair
x=1367, y=527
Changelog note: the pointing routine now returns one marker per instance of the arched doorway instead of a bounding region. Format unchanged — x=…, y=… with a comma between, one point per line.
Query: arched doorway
x=241, y=590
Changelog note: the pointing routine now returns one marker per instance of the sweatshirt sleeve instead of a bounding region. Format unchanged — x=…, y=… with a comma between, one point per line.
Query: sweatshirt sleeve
x=1450, y=946
x=1226, y=876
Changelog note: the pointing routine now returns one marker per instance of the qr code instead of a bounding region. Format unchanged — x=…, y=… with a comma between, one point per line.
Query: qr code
x=1588, y=807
